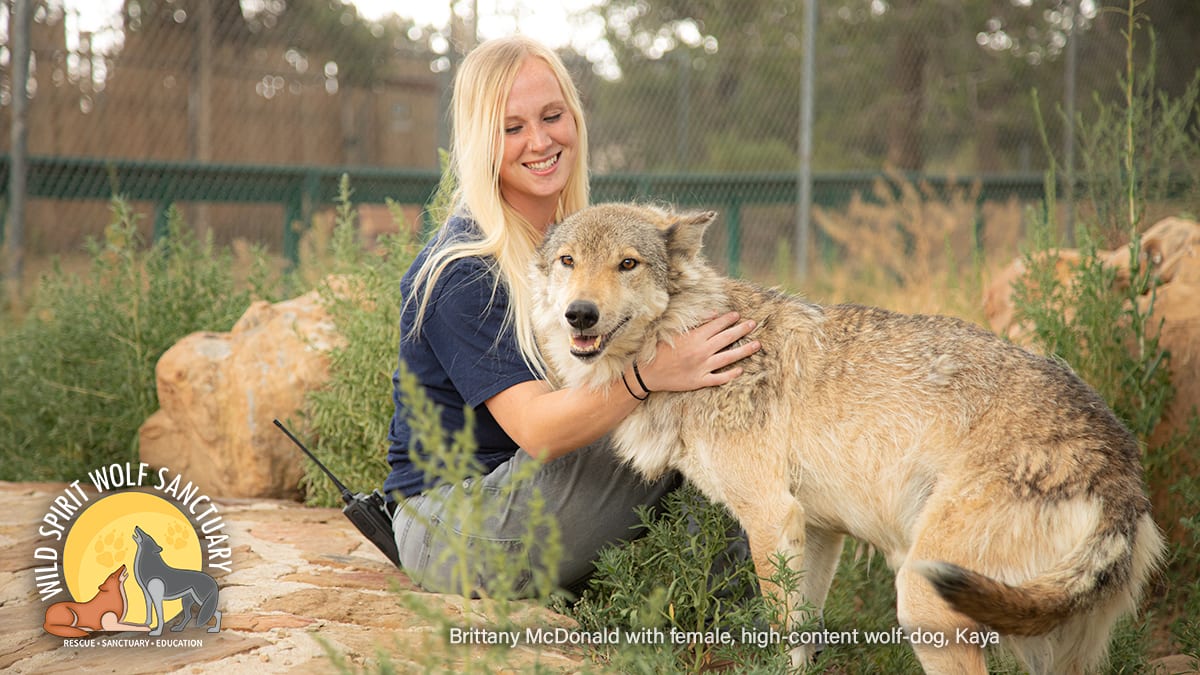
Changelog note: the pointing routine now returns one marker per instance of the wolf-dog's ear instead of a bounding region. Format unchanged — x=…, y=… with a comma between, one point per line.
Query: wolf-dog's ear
x=684, y=232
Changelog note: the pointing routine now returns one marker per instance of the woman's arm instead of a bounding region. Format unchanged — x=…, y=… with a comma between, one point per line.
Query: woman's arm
x=549, y=423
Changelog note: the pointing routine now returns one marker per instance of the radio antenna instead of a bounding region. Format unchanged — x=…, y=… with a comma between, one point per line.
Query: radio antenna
x=346, y=495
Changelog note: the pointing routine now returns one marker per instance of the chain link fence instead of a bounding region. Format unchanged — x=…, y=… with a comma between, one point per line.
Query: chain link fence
x=244, y=112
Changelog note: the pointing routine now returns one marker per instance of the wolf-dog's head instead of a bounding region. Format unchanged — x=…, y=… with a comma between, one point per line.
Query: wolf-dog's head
x=612, y=280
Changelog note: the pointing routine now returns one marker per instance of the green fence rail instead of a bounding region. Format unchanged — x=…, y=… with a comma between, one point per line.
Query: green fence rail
x=301, y=189
x=297, y=189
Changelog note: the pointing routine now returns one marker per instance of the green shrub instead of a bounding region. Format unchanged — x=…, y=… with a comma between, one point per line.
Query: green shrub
x=670, y=579
x=1102, y=331
x=78, y=372
x=1182, y=606
x=1140, y=151
x=349, y=416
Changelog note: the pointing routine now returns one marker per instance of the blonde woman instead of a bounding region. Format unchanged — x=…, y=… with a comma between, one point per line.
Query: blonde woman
x=520, y=159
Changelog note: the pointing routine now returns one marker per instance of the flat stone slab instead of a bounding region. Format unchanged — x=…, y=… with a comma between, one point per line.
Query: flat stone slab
x=305, y=591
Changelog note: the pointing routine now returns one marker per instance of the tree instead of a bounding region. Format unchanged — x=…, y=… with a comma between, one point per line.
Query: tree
x=703, y=86
x=921, y=84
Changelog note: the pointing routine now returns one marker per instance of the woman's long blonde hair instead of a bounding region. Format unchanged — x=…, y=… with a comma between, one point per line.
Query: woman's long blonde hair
x=509, y=241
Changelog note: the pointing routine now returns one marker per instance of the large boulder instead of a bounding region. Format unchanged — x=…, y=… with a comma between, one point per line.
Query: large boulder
x=219, y=392
x=1178, y=304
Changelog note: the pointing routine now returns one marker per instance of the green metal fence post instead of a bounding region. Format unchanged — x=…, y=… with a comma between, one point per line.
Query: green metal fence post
x=293, y=207
x=734, y=236
x=162, y=207
x=979, y=225
x=161, y=221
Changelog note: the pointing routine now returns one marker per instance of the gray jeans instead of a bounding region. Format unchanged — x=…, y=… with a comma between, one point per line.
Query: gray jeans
x=590, y=494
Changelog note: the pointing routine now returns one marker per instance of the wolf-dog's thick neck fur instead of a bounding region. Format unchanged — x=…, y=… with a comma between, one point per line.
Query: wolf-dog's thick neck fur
x=999, y=486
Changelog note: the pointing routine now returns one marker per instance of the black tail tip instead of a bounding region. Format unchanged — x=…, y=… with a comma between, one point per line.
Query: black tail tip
x=948, y=579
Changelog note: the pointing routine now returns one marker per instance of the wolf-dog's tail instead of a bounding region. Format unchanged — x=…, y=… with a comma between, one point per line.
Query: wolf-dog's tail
x=1108, y=562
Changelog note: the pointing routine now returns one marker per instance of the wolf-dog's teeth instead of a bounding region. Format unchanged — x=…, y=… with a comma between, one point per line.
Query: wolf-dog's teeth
x=591, y=343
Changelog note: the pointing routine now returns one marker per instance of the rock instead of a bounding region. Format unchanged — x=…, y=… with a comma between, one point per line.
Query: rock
x=304, y=588
x=219, y=392
x=1178, y=306
x=1172, y=249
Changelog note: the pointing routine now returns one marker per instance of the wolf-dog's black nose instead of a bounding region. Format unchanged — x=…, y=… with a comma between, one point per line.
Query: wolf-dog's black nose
x=582, y=315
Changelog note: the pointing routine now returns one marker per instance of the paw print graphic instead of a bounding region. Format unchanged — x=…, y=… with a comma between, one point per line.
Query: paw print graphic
x=110, y=549
x=176, y=537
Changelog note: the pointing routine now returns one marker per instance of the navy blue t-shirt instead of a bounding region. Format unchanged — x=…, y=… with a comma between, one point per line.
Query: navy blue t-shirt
x=461, y=358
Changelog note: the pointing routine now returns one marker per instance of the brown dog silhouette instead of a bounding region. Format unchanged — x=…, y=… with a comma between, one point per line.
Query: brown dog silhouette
x=102, y=613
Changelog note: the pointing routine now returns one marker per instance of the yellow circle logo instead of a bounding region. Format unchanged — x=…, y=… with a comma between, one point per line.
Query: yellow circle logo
x=102, y=539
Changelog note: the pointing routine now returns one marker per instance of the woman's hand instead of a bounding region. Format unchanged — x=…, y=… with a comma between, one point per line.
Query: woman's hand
x=690, y=362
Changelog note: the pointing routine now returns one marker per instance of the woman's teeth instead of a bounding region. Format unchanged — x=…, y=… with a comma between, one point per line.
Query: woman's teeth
x=544, y=164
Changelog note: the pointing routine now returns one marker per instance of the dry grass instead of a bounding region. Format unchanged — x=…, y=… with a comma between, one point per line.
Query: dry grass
x=911, y=249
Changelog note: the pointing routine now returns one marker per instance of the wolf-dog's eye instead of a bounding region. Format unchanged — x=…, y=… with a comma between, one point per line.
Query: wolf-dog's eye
x=566, y=260
x=628, y=264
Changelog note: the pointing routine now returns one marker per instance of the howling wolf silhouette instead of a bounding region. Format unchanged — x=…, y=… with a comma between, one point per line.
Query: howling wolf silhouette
x=159, y=581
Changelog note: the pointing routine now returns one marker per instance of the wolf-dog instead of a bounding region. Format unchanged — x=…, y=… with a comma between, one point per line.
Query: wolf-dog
x=159, y=581
x=1003, y=492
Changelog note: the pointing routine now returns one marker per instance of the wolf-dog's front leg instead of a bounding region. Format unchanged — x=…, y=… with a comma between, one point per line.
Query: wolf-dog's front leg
x=776, y=527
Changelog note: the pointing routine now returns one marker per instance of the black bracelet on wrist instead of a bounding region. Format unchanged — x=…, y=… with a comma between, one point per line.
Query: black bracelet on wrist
x=638, y=375
x=630, y=389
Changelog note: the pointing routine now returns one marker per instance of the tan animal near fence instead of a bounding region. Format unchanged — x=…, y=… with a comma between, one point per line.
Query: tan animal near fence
x=1171, y=248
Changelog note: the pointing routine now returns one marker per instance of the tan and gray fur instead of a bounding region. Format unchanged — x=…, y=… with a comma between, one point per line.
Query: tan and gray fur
x=1001, y=489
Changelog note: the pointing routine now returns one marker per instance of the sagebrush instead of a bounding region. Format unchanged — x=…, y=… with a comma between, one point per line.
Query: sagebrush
x=78, y=372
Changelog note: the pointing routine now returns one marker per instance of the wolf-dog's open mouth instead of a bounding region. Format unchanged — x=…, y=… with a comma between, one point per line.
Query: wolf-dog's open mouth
x=584, y=346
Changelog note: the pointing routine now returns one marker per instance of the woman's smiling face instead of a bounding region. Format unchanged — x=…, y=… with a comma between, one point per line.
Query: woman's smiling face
x=540, y=140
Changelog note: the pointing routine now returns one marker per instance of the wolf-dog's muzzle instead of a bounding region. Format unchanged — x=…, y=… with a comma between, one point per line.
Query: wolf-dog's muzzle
x=583, y=315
